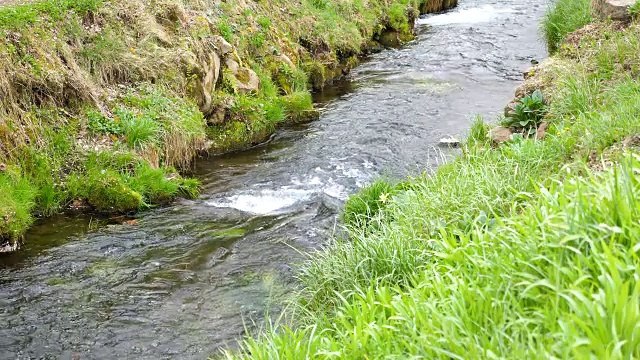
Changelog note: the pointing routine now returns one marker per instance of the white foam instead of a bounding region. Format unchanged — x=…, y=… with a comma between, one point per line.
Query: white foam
x=335, y=190
x=468, y=16
x=264, y=201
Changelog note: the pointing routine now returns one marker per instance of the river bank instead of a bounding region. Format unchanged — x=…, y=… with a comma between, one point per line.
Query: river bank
x=523, y=249
x=105, y=104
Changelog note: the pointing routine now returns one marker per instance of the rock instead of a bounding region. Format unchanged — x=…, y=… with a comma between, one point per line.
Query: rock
x=209, y=83
x=78, y=204
x=218, y=117
x=449, y=141
x=374, y=47
x=285, y=59
x=222, y=45
x=617, y=10
x=208, y=72
x=246, y=80
x=542, y=130
x=509, y=108
x=232, y=65
x=9, y=246
x=500, y=134
x=390, y=38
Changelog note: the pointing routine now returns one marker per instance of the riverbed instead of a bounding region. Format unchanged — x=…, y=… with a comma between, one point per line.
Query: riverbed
x=188, y=279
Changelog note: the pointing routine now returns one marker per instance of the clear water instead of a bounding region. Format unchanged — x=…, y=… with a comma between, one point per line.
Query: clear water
x=190, y=278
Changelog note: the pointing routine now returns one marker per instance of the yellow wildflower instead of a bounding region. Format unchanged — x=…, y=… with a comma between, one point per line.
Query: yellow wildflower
x=384, y=197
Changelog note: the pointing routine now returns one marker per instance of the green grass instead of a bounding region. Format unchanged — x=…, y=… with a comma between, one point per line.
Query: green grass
x=16, y=16
x=560, y=280
x=563, y=17
x=520, y=251
x=17, y=200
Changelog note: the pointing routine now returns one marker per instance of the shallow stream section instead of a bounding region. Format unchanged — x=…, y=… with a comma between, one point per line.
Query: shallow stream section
x=190, y=278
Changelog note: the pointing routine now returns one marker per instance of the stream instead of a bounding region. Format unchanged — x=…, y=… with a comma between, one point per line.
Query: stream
x=190, y=278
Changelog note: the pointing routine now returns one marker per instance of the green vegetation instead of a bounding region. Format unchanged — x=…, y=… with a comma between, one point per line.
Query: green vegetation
x=564, y=17
x=634, y=10
x=526, y=250
x=528, y=113
x=103, y=102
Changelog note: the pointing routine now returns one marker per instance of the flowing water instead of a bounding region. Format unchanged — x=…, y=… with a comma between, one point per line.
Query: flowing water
x=189, y=278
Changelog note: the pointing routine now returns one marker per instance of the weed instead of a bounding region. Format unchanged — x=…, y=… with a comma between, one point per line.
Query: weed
x=140, y=130
x=362, y=207
x=478, y=133
x=225, y=30
x=298, y=105
x=98, y=124
x=528, y=113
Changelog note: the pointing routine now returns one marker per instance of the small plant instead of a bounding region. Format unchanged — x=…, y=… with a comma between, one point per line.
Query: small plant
x=225, y=30
x=98, y=124
x=362, y=207
x=528, y=113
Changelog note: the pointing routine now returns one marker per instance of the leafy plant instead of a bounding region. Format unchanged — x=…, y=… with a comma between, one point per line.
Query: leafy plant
x=528, y=113
x=98, y=124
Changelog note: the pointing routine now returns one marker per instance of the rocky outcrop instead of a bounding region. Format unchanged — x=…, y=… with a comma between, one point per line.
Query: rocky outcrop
x=217, y=60
x=242, y=79
x=617, y=10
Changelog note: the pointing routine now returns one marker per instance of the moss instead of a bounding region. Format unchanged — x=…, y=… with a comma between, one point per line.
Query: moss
x=230, y=233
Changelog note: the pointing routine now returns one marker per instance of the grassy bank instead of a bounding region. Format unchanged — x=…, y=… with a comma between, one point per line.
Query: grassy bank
x=104, y=103
x=524, y=250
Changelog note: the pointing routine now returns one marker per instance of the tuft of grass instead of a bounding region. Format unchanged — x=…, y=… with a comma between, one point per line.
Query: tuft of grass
x=634, y=10
x=298, y=105
x=562, y=18
x=140, y=131
x=478, y=134
x=16, y=204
